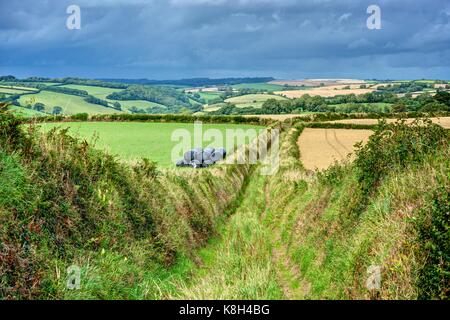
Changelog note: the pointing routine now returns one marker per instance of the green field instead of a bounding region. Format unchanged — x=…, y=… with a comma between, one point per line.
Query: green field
x=98, y=92
x=214, y=107
x=69, y=103
x=24, y=112
x=252, y=100
x=208, y=96
x=135, y=140
x=102, y=93
x=15, y=90
x=49, y=83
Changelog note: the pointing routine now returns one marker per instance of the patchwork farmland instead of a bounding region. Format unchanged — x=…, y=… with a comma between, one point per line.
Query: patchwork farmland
x=326, y=91
x=103, y=182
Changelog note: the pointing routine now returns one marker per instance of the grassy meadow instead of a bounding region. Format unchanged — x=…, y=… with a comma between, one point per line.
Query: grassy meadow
x=209, y=96
x=252, y=100
x=98, y=92
x=132, y=141
x=69, y=103
x=102, y=93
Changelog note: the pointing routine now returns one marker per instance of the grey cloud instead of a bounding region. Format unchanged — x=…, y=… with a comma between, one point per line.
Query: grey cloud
x=184, y=38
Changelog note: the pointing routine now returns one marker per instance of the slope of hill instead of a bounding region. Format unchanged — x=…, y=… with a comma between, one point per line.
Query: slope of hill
x=389, y=211
x=65, y=204
x=70, y=104
x=138, y=232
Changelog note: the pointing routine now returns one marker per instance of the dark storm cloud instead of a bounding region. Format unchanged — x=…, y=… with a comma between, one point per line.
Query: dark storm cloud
x=216, y=38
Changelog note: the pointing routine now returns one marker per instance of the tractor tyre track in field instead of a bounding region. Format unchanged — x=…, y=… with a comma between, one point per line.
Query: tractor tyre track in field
x=331, y=145
x=340, y=143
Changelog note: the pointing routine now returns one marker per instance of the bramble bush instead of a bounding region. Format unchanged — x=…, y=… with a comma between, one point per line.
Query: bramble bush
x=393, y=147
x=434, y=239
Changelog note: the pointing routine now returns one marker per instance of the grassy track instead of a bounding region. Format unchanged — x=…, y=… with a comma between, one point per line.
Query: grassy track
x=238, y=264
x=132, y=141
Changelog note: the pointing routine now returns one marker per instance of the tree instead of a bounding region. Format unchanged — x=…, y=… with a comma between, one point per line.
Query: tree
x=117, y=106
x=57, y=110
x=135, y=109
x=39, y=107
x=399, y=107
x=435, y=107
x=442, y=97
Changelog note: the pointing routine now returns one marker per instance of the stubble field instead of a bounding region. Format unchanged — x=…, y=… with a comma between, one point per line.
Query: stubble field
x=320, y=148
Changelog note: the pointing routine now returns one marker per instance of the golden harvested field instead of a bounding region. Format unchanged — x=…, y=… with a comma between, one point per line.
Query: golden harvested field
x=444, y=121
x=316, y=82
x=326, y=92
x=320, y=148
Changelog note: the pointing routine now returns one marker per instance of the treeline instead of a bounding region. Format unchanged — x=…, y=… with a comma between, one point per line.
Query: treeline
x=179, y=118
x=406, y=87
x=169, y=97
x=74, y=92
x=194, y=82
x=365, y=103
x=79, y=81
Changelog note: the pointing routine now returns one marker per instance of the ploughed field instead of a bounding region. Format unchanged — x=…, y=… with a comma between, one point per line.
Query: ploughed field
x=320, y=148
x=132, y=141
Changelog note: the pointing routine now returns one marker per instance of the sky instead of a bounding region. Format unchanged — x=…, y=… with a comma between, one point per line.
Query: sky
x=174, y=39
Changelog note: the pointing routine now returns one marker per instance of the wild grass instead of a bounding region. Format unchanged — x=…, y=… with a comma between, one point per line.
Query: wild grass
x=138, y=232
x=333, y=250
x=237, y=264
x=125, y=227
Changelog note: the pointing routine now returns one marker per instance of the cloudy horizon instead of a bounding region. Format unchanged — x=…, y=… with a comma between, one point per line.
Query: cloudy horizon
x=174, y=39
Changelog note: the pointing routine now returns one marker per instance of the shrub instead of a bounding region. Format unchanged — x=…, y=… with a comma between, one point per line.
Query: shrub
x=147, y=168
x=80, y=117
x=434, y=239
x=392, y=147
